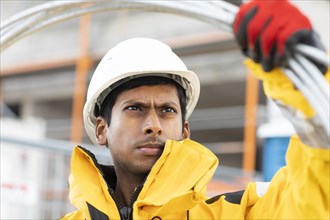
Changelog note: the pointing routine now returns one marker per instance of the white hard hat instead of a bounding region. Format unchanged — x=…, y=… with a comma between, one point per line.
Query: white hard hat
x=134, y=58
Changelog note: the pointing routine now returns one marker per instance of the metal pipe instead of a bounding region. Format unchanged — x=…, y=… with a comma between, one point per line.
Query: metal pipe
x=251, y=104
x=83, y=67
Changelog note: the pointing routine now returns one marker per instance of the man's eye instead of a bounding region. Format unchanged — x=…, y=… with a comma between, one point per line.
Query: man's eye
x=132, y=108
x=169, y=110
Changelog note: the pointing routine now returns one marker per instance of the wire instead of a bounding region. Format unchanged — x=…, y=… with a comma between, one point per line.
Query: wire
x=303, y=83
x=220, y=14
x=313, y=53
x=305, y=76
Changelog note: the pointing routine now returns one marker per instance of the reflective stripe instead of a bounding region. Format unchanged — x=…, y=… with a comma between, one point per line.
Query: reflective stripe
x=261, y=188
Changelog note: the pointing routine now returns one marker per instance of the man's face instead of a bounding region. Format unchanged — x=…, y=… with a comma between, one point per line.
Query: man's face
x=142, y=120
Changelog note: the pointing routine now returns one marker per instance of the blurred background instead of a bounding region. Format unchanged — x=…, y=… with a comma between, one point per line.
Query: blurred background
x=44, y=79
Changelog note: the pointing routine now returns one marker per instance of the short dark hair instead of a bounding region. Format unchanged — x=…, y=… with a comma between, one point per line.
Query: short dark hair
x=107, y=105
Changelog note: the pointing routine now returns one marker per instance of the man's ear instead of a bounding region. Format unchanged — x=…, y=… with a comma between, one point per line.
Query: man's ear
x=186, y=130
x=101, y=131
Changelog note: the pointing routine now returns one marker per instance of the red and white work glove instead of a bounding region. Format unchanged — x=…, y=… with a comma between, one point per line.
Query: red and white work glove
x=267, y=31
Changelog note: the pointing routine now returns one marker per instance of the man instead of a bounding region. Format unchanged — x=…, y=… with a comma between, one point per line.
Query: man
x=138, y=103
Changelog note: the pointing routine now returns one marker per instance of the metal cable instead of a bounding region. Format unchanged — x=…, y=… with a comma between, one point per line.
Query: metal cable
x=313, y=53
x=316, y=76
x=50, y=13
x=221, y=14
x=302, y=84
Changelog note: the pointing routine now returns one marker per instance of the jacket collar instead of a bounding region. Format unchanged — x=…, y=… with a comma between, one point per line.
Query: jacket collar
x=177, y=181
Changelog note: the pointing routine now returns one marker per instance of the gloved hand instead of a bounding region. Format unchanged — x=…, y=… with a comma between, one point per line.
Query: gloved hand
x=267, y=31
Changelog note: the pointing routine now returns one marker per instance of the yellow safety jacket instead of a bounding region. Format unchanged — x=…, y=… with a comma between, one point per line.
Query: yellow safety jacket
x=176, y=188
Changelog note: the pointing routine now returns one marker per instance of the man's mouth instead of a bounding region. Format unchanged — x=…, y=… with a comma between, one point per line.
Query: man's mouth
x=151, y=149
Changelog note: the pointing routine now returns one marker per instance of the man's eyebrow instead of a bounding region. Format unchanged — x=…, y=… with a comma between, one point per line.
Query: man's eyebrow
x=169, y=103
x=134, y=102
x=146, y=104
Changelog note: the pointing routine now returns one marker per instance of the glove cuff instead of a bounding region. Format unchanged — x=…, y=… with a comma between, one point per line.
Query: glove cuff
x=277, y=86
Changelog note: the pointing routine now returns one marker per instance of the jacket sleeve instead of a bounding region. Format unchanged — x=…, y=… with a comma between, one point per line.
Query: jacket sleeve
x=298, y=191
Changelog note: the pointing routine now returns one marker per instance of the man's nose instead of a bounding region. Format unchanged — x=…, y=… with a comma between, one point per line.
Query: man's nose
x=152, y=125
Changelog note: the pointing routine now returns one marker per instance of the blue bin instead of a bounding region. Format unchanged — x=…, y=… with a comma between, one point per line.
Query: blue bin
x=274, y=156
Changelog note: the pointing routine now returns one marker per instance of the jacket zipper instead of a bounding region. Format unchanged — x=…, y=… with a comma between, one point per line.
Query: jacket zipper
x=118, y=202
x=125, y=211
